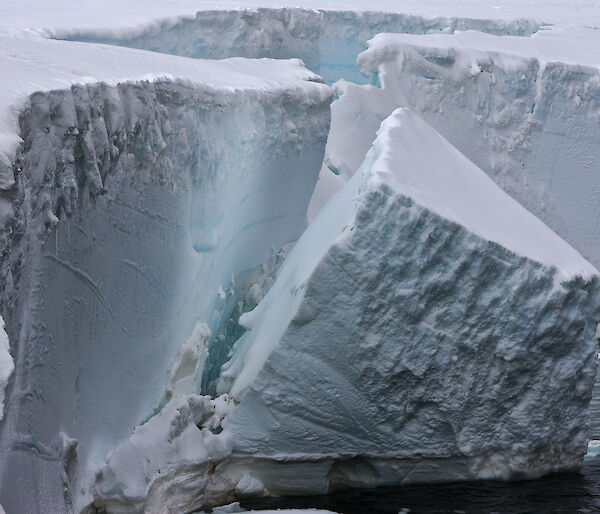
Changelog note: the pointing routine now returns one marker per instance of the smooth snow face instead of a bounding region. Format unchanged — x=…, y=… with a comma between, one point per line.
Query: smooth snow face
x=398, y=345
x=326, y=41
x=134, y=207
x=6, y=365
x=530, y=123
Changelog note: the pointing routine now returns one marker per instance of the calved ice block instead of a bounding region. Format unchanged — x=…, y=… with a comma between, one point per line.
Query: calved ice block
x=523, y=109
x=425, y=327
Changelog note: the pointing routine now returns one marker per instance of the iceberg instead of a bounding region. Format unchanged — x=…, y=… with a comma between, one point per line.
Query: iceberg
x=150, y=192
x=523, y=109
x=182, y=340
x=424, y=327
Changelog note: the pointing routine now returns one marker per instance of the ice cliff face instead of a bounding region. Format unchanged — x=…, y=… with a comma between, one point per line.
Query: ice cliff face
x=525, y=110
x=327, y=41
x=138, y=209
x=425, y=327
x=442, y=327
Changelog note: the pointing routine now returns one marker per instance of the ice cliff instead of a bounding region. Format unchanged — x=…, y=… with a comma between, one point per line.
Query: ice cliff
x=451, y=305
x=525, y=110
x=138, y=211
x=181, y=339
x=327, y=41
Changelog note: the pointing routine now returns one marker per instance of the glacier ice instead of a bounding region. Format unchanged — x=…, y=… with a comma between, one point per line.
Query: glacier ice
x=525, y=110
x=450, y=305
x=149, y=201
x=136, y=203
x=327, y=41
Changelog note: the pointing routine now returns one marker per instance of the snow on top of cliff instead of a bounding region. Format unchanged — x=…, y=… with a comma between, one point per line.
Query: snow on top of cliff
x=569, y=45
x=31, y=63
x=416, y=161
x=118, y=17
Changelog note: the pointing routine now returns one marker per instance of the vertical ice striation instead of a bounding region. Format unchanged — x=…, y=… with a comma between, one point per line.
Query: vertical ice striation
x=134, y=206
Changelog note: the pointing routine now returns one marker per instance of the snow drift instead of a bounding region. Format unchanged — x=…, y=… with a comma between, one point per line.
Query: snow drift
x=425, y=327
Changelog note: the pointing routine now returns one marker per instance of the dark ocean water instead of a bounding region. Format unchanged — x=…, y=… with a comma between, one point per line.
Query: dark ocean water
x=560, y=493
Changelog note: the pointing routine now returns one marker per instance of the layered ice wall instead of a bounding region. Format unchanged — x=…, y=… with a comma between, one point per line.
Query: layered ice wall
x=135, y=205
x=525, y=110
x=327, y=41
x=421, y=304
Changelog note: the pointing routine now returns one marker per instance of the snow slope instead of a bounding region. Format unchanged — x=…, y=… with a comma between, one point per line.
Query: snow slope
x=404, y=341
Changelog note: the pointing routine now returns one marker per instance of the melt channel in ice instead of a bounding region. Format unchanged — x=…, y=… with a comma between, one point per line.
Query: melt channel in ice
x=425, y=327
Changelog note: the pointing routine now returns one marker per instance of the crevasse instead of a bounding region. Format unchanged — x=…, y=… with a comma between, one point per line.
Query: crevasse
x=147, y=217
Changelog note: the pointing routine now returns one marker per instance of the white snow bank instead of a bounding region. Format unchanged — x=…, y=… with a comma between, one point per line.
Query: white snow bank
x=401, y=344
x=32, y=63
x=568, y=45
x=6, y=365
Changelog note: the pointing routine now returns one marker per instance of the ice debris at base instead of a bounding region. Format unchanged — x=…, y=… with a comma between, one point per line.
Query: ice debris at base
x=168, y=464
x=7, y=365
x=593, y=449
x=400, y=326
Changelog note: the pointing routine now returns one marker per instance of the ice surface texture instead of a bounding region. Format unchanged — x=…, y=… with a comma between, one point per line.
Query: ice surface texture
x=441, y=330
x=133, y=205
x=525, y=110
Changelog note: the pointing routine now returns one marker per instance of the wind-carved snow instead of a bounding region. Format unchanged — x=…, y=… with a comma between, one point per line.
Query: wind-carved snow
x=525, y=110
x=396, y=330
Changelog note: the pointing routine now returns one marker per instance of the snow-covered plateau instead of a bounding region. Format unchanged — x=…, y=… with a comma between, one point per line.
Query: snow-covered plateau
x=285, y=248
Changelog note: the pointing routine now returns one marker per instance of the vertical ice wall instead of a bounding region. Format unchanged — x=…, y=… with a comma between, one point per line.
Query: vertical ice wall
x=134, y=206
x=530, y=123
x=327, y=41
